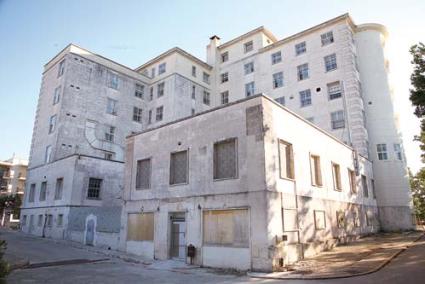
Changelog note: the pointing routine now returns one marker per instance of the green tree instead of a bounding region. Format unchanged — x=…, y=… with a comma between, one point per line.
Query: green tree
x=417, y=93
x=12, y=202
x=417, y=184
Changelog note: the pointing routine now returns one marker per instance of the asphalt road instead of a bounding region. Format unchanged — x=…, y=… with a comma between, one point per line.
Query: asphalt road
x=408, y=267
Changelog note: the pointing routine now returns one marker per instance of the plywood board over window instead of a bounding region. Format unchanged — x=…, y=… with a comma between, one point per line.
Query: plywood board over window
x=226, y=228
x=140, y=227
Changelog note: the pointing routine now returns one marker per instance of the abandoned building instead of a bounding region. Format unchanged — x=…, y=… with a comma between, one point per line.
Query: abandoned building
x=243, y=185
x=334, y=75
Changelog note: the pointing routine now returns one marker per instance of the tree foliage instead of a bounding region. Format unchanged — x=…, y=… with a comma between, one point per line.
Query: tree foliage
x=417, y=93
x=12, y=202
x=417, y=184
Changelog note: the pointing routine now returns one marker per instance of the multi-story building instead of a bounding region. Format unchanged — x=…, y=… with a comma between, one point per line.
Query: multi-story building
x=13, y=174
x=333, y=74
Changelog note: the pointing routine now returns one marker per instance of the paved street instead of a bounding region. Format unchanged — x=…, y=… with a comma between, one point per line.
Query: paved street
x=408, y=267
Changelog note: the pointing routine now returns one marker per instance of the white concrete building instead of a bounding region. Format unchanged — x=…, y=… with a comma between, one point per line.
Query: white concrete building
x=13, y=174
x=333, y=74
x=254, y=194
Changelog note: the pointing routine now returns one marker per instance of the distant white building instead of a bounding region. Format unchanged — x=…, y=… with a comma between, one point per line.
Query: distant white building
x=13, y=174
x=333, y=74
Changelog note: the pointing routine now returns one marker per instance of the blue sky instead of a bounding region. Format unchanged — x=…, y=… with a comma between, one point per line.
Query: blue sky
x=132, y=32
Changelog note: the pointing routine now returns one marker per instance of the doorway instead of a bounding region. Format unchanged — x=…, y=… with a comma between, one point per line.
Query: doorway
x=178, y=236
x=90, y=232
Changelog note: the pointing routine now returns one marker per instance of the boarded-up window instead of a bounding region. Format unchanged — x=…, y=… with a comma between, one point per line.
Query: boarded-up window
x=319, y=219
x=286, y=160
x=225, y=159
x=336, y=173
x=316, y=171
x=290, y=220
x=143, y=175
x=364, y=186
x=356, y=219
x=140, y=227
x=226, y=228
x=178, y=167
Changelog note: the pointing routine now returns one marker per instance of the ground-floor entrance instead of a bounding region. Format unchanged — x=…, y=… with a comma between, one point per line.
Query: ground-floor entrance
x=177, y=235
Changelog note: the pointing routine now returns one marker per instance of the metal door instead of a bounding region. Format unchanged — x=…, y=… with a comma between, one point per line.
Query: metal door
x=178, y=238
x=90, y=232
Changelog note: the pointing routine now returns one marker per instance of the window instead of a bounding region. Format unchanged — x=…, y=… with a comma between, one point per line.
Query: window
x=372, y=183
x=334, y=90
x=300, y=48
x=151, y=94
x=159, y=113
x=137, y=114
x=93, y=191
x=43, y=191
x=249, y=68
x=319, y=220
x=206, y=98
x=32, y=193
x=316, y=171
x=224, y=77
x=225, y=159
x=281, y=100
x=305, y=98
x=398, y=152
x=310, y=119
x=52, y=124
x=59, y=189
x=336, y=174
x=143, y=175
x=276, y=57
x=248, y=46
x=369, y=218
x=364, y=186
x=24, y=220
x=49, y=220
x=192, y=111
x=40, y=220
x=224, y=56
x=140, y=90
x=206, y=78
x=290, y=220
x=153, y=72
x=382, y=151
x=302, y=72
x=59, y=221
x=108, y=156
x=278, y=80
x=111, y=106
x=110, y=133
x=356, y=219
x=330, y=62
x=337, y=119
x=161, y=68
x=56, y=95
x=327, y=38
x=194, y=71
x=160, y=89
x=193, y=92
x=286, y=160
x=61, y=68
x=140, y=227
x=340, y=219
x=150, y=117
x=352, y=180
x=112, y=80
x=226, y=228
x=48, y=154
x=224, y=97
x=179, y=168
x=250, y=89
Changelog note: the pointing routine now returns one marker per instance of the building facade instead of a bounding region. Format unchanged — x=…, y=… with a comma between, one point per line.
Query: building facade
x=333, y=74
x=251, y=195
x=13, y=174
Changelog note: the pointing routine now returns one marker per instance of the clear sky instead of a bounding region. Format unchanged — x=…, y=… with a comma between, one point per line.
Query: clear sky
x=132, y=32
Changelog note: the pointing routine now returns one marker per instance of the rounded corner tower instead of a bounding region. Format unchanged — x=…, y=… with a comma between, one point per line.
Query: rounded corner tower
x=385, y=140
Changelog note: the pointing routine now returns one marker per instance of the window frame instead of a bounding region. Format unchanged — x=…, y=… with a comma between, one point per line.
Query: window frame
x=305, y=98
x=276, y=57
x=59, y=193
x=327, y=38
x=303, y=72
x=289, y=155
x=236, y=146
x=187, y=167
x=137, y=114
x=330, y=62
x=250, y=89
x=316, y=170
x=159, y=113
x=278, y=77
x=137, y=184
x=336, y=176
x=248, y=46
x=224, y=97
x=99, y=189
x=300, y=48
x=336, y=124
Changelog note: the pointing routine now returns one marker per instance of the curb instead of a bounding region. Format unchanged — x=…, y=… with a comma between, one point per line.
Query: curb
x=375, y=269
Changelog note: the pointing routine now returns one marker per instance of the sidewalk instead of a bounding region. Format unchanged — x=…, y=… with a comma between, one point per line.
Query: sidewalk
x=362, y=257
